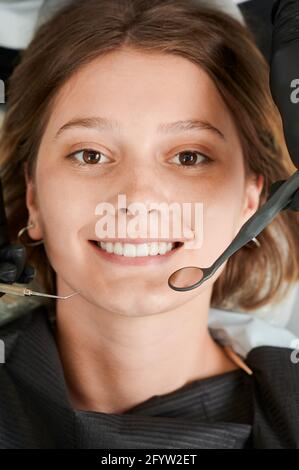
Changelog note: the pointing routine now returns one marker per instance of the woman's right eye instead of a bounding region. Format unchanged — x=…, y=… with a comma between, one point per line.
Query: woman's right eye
x=88, y=157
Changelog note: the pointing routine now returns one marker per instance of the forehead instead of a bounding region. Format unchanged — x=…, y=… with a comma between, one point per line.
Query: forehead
x=139, y=88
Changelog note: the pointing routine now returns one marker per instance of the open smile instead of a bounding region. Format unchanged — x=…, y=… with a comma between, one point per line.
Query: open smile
x=136, y=253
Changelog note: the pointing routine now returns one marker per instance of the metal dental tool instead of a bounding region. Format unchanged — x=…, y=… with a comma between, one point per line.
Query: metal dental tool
x=24, y=291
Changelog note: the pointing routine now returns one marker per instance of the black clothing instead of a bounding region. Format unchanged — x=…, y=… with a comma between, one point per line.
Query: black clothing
x=231, y=410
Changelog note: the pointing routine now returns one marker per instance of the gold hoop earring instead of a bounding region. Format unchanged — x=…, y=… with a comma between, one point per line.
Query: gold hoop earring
x=255, y=240
x=23, y=230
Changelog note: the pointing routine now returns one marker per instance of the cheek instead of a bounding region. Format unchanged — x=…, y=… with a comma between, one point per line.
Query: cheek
x=222, y=202
x=64, y=207
x=219, y=227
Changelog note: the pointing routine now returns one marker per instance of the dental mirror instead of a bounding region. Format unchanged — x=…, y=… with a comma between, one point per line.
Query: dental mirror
x=190, y=277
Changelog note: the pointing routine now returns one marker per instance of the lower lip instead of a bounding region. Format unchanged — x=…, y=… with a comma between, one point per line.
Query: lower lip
x=134, y=261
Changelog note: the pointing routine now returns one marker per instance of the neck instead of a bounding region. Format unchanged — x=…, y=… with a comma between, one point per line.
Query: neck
x=114, y=362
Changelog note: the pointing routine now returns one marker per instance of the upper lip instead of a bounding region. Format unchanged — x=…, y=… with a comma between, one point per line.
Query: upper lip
x=140, y=240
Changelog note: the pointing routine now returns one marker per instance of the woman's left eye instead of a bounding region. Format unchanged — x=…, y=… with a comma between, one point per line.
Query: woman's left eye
x=88, y=157
x=189, y=158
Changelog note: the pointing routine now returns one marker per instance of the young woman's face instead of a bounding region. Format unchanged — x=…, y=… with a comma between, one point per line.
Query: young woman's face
x=140, y=161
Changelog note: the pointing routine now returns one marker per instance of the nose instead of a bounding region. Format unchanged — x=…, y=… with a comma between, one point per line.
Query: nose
x=142, y=183
x=145, y=195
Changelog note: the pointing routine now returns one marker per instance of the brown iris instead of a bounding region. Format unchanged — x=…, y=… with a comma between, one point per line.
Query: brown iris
x=187, y=158
x=91, y=156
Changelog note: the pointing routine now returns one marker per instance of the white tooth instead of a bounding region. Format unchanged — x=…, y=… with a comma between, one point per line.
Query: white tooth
x=132, y=250
x=153, y=249
x=142, y=249
x=129, y=249
x=118, y=248
x=109, y=247
x=162, y=248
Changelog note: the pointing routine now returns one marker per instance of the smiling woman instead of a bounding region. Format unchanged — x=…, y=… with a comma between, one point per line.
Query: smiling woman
x=242, y=98
x=165, y=102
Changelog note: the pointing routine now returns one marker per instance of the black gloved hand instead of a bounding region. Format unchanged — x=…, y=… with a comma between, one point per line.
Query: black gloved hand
x=13, y=266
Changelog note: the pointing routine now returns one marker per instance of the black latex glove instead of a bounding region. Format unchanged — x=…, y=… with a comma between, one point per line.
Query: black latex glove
x=13, y=267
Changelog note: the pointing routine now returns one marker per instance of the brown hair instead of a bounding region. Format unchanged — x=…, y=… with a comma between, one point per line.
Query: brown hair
x=226, y=50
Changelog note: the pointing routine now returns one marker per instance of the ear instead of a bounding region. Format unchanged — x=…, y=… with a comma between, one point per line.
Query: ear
x=253, y=189
x=31, y=203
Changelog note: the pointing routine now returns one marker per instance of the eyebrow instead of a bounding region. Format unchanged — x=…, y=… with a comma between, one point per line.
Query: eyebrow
x=102, y=124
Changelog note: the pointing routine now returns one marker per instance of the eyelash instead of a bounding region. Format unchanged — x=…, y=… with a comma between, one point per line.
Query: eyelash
x=74, y=160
